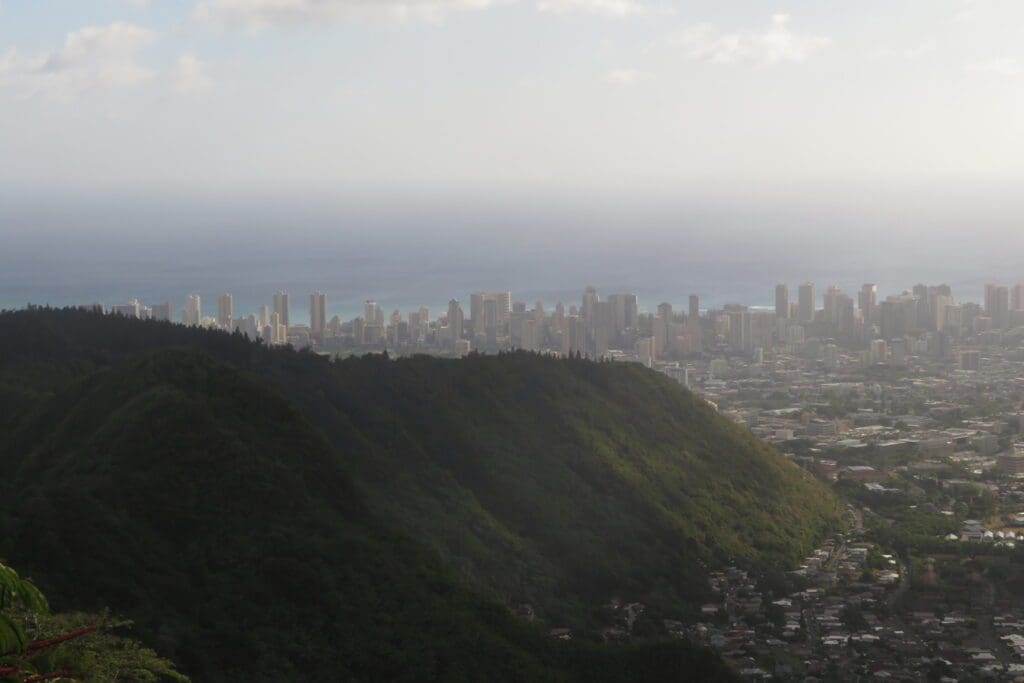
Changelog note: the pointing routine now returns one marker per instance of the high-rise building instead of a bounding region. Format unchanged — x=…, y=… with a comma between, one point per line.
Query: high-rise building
x=1002, y=313
x=491, y=321
x=601, y=329
x=805, y=301
x=953, y=320
x=590, y=300
x=504, y=305
x=163, y=312
x=867, y=299
x=501, y=311
x=844, y=314
x=224, y=311
x=997, y=305
x=454, y=321
x=662, y=330
x=574, y=335
x=632, y=311
x=317, y=313
x=373, y=314
x=782, y=301
x=248, y=327
x=531, y=334
x=740, y=337
x=1017, y=298
x=644, y=349
x=278, y=331
x=694, y=307
x=624, y=312
x=193, y=313
x=281, y=308
x=831, y=310
x=132, y=309
x=476, y=312
x=940, y=304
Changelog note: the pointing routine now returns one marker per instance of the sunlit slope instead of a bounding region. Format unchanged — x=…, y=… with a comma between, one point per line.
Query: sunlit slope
x=557, y=483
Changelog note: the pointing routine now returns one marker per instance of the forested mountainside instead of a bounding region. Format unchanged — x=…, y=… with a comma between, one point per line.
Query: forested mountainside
x=269, y=514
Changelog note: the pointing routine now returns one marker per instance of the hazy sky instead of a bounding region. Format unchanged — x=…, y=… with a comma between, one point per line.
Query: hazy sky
x=631, y=96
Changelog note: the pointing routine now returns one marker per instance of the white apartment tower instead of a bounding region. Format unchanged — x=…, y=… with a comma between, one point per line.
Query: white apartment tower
x=224, y=311
x=281, y=308
x=193, y=313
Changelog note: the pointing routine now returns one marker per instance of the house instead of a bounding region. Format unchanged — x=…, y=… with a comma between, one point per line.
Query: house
x=862, y=473
x=972, y=531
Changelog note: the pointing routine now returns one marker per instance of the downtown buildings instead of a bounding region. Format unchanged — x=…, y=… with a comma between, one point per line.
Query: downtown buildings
x=921, y=319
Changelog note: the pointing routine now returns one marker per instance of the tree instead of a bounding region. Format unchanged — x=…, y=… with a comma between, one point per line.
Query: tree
x=37, y=646
x=16, y=594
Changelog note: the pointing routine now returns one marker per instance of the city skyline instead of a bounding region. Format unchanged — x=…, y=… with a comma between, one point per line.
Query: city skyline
x=615, y=325
x=1012, y=297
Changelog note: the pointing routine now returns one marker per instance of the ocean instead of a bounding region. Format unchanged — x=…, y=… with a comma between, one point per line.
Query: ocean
x=426, y=254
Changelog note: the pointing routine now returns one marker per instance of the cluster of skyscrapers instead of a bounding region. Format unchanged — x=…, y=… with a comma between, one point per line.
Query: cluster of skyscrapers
x=614, y=325
x=494, y=322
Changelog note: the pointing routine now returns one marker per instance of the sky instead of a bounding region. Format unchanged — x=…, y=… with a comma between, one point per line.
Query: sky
x=543, y=143
x=638, y=97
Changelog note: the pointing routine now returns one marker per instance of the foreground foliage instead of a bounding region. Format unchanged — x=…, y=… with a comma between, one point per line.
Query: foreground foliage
x=36, y=645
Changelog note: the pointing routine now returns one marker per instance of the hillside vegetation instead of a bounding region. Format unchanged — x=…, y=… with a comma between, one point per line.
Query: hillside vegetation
x=268, y=514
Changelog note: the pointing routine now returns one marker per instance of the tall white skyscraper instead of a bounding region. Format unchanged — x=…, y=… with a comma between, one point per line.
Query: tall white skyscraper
x=193, y=312
x=224, y=311
x=317, y=313
x=373, y=314
x=130, y=310
x=281, y=307
x=278, y=332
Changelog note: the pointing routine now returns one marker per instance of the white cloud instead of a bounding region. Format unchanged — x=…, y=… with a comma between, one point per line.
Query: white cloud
x=607, y=8
x=624, y=76
x=969, y=11
x=913, y=52
x=922, y=49
x=774, y=44
x=92, y=58
x=1002, y=66
x=260, y=14
x=190, y=75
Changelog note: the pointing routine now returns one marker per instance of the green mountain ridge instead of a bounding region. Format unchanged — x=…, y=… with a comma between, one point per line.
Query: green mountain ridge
x=267, y=513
